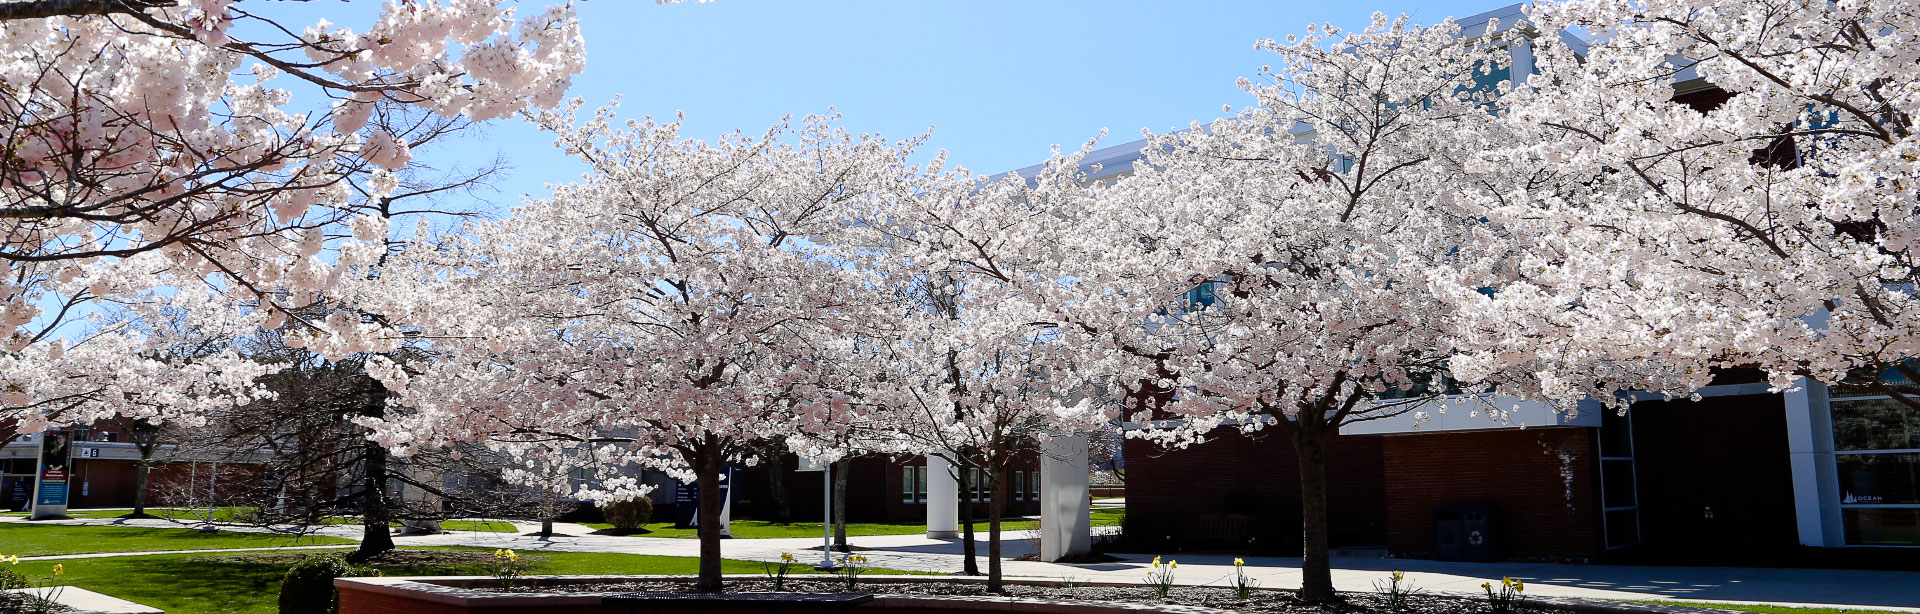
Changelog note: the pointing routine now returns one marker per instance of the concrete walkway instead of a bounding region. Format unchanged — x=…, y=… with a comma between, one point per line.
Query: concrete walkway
x=1800, y=587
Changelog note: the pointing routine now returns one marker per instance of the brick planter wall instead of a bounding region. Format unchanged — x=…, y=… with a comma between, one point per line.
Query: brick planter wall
x=448, y=595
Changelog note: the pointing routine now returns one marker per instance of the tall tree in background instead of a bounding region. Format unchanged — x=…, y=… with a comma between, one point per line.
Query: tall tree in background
x=1766, y=219
x=1300, y=234
x=682, y=302
x=983, y=370
x=155, y=156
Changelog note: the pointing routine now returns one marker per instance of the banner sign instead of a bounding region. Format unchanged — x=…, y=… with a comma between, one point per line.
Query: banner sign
x=56, y=452
x=686, y=502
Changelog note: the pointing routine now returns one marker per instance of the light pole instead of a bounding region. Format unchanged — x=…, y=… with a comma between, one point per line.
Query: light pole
x=826, y=508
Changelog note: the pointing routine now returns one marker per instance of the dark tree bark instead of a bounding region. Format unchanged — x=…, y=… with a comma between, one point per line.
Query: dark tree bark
x=777, y=486
x=995, y=501
x=140, y=472
x=706, y=471
x=375, y=537
x=840, y=470
x=1316, y=568
x=40, y=9
x=375, y=513
x=970, y=567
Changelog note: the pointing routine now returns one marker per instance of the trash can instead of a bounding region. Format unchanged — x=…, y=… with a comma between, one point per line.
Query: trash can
x=1463, y=534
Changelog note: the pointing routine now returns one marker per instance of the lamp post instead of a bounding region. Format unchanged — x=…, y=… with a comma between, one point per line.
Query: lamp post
x=826, y=508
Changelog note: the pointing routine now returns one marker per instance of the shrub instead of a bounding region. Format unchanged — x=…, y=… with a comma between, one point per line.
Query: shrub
x=10, y=579
x=629, y=514
x=308, y=586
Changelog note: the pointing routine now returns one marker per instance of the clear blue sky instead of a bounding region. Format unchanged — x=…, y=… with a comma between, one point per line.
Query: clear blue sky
x=999, y=82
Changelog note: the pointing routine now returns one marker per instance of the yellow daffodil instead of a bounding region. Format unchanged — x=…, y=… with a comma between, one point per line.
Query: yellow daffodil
x=1519, y=587
x=59, y=569
x=1156, y=561
x=786, y=556
x=15, y=559
x=1173, y=564
x=1397, y=576
x=497, y=553
x=511, y=556
x=1238, y=562
x=1486, y=585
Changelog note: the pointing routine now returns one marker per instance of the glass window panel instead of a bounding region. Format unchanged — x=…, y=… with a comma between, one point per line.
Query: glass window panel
x=1617, y=483
x=920, y=483
x=906, y=482
x=1020, y=485
x=1623, y=528
x=1875, y=424
x=1879, y=479
x=1890, y=376
x=1881, y=527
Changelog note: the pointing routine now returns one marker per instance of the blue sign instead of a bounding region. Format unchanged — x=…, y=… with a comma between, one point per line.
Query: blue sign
x=686, y=500
x=53, y=493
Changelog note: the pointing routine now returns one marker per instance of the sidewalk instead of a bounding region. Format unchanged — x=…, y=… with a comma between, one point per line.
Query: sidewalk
x=1796, y=587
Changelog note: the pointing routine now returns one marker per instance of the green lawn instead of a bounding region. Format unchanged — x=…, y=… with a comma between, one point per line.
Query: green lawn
x=759, y=529
x=239, y=515
x=50, y=539
x=249, y=583
x=1770, y=609
x=491, y=526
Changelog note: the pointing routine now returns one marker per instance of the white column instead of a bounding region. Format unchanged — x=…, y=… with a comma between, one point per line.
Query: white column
x=943, y=499
x=1816, y=495
x=1065, y=518
x=419, y=499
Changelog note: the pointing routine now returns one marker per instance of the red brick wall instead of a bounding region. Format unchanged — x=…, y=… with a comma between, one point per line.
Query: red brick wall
x=1259, y=476
x=1539, y=482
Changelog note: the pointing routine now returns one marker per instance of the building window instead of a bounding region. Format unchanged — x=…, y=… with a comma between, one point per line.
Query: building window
x=1202, y=296
x=1876, y=442
x=913, y=484
x=1019, y=485
x=1033, y=487
x=976, y=484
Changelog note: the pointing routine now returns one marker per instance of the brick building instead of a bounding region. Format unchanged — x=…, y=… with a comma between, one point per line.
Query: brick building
x=1741, y=472
x=105, y=466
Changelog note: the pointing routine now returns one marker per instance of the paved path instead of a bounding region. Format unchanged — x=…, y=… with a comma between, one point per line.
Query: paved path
x=1823, y=587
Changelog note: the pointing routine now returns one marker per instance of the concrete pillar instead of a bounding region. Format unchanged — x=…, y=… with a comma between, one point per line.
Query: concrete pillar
x=943, y=499
x=419, y=500
x=1816, y=489
x=1066, y=526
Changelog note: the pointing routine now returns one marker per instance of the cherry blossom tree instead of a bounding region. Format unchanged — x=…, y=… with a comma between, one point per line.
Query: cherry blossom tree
x=154, y=160
x=1267, y=271
x=681, y=302
x=1761, y=215
x=980, y=372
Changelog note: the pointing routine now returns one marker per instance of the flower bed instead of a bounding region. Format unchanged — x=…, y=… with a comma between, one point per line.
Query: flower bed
x=877, y=595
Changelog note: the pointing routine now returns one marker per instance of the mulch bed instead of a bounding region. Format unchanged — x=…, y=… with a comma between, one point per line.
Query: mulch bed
x=1212, y=597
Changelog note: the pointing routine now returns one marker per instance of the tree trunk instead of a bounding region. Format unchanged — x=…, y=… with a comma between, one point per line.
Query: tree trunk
x=993, y=531
x=1316, y=567
x=840, y=470
x=546, y=528
x=777, y=487
x=375, y=537
x=707, y=478
x=970, y=567
x=140, y=472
